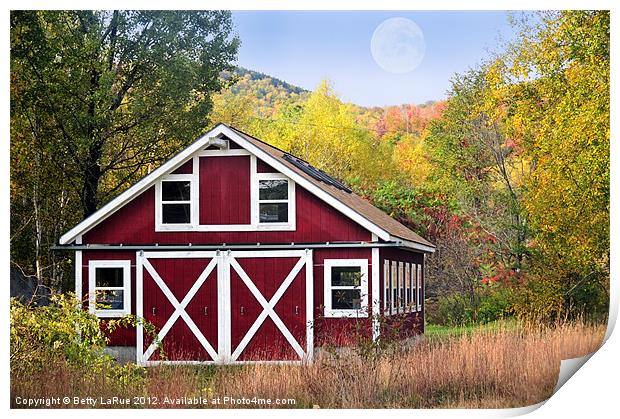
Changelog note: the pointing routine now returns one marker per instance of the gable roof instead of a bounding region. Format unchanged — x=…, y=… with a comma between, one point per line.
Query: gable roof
x=350, y=204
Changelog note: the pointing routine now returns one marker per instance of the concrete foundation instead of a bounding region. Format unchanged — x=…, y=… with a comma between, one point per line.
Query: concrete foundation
x=123, y=354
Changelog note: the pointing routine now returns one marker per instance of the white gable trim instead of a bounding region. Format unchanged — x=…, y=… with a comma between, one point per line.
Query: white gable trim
x=197, y=147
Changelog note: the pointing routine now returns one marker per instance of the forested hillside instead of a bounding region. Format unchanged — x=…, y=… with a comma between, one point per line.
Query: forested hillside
x=509, y=176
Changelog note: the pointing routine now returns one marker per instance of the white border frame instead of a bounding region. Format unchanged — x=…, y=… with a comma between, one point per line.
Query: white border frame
x=329, y=312
x=92, y=272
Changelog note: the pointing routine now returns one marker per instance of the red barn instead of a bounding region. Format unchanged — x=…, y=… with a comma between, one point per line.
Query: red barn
x=239, y=252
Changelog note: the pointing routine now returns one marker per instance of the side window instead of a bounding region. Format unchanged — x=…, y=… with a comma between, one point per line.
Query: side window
x=176, y=204
x=394, y=287
x=109, y=287
x=387, y=287
x=420, y=296
x=346, y=287
x=273, y=200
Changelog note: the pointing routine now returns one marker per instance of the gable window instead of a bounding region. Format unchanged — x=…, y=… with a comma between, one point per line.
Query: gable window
x=346, y=287
x=109, y=287
x=273, y=200
x=176, y=202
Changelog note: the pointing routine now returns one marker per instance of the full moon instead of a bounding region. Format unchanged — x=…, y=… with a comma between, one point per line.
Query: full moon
x=397, y=45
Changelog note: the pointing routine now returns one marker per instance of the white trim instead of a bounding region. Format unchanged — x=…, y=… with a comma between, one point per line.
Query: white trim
x=329, y=312
x=412, y=245
x=78, y=272
x=126, y=288
x=401, y=287
x=407, y=286
x=376, y=293
x=139, y=309
x=420, y=286
x=198, y=146
x=224, y=153
x=393, y=287
x=193, y=202
x=255, y=200
x=309, y=306
x=387, y=287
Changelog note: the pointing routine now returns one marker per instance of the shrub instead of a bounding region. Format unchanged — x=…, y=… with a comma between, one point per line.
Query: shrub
x=490, y=303
x=63, y=345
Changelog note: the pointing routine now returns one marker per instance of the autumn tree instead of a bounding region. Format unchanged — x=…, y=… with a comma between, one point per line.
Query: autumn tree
x=555, y=84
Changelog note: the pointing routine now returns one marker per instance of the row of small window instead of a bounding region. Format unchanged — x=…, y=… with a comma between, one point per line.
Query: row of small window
x=403, y=287
x=273, y=201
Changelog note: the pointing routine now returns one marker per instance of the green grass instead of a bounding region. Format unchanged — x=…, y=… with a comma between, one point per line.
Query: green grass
x=435, y=331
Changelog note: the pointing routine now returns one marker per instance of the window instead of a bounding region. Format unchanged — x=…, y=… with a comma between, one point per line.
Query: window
x=401, y=288
x=176, y=202
x=408, y=286
x=386, y=286
x=346, y=287
x=420, y=296
x=414, y=282
x=109, y=287
x=394, y=287
x=273, y=200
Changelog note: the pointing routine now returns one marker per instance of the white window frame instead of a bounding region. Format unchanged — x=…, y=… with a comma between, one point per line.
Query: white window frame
x=255, y=178
x=419, y=293
x=192, y=178
x=92, y=288
x=387, y=287
x=256, y=201
x=329, y=312
x=394, y=287
x=408, y=287
x=401, y=288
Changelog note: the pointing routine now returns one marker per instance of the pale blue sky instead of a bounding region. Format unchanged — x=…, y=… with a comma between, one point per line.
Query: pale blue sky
x=303, y=48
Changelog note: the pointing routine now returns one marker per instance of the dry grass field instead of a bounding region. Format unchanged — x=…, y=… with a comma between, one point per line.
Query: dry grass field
x=508, y=366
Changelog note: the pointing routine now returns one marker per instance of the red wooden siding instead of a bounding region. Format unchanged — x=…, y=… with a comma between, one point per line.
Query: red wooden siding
x=262, y=167
x=185, y=168
x=316, y=222
x=224, y=190
x=339, y=331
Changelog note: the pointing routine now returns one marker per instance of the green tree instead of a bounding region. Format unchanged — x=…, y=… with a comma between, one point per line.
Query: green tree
x=117, y=90
x=97, y=97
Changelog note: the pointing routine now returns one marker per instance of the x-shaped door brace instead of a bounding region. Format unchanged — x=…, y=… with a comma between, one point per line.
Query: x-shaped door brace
x=180, y=308
x=268, y=307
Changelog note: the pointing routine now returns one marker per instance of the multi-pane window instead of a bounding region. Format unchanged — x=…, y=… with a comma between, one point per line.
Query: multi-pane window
x=387, y=285
x=109, y=288
x=346, y=287
x=273, y=200
x=420, y=297
x=408, y=286
x=176, y=202
x=394, y=289
x=402, y=283
x=414, y=287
